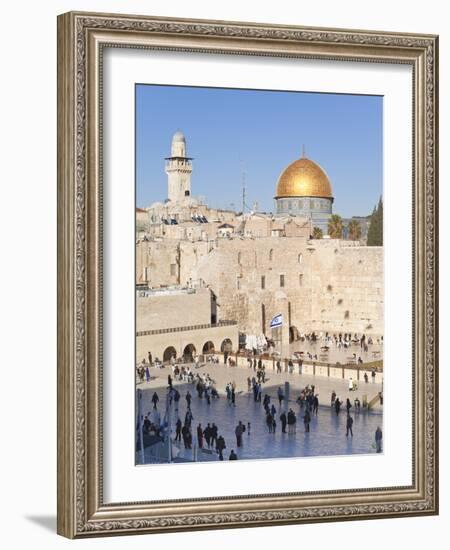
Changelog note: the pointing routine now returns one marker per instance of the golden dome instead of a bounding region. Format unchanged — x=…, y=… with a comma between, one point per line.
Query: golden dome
x=303, y=178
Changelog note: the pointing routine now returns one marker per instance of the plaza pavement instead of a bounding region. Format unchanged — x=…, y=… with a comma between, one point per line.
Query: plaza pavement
x=222, y=375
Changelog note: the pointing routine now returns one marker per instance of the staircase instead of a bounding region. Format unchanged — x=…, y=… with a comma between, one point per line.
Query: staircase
x=377, y=399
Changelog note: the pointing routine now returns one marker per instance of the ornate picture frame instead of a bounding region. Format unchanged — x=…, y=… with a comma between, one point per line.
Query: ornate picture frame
x=82, y=38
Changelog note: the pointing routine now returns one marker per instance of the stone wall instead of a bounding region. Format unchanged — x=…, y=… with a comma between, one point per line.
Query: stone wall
x=347, y=291
x=321, y=285
x=172, y=308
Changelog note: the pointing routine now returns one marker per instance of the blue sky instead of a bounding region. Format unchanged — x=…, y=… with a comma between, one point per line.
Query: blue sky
x=261, y=132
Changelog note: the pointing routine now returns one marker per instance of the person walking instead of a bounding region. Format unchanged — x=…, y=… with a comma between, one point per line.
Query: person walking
x=337, y=406
x=306, y=420
x=316, y=404
x=214, y=431
x=178, y=427
x=366, y=378
x=283, y=420
x=147, y=374
x=188, y=399
x=348, y=405
x=176, y=400
x=378, y=438
x=349, y=425
x=188, y=418
x=255, y=391
x=280, y=395
x=269, y=422
x=220, y=446
x=155, y=400
x=207, y=435
x=291, y=420
x=240, y=429
x=185, y=434
x=200, y=436
x=233, y=397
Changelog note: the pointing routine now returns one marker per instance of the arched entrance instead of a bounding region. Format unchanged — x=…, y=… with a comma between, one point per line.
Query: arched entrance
x=293, y=334
x=188, y=353
x=208, y=347
x=227, y=345
x=169, y=353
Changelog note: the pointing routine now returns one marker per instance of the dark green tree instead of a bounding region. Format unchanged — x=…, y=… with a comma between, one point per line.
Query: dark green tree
x=375, y=232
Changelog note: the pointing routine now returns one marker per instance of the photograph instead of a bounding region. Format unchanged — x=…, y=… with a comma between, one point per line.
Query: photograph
x=259, y=274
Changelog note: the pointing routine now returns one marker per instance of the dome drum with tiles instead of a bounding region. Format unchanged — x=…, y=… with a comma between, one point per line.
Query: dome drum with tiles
x=303, y=189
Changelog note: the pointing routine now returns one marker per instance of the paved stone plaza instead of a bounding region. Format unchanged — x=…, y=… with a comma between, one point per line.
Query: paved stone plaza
x=327, y=435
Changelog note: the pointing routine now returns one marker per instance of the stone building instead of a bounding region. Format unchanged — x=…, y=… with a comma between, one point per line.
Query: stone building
x=180, y=322
x=255, y=265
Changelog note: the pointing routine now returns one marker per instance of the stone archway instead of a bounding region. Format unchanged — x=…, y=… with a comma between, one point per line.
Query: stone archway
x=188, y=353
x=208, y=347
x=227, y=345
x=169, y=353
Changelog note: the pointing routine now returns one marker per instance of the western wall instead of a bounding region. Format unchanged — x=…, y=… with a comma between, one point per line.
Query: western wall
x=322, y=285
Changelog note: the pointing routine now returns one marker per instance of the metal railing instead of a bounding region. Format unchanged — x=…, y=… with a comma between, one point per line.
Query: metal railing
x=187, y=328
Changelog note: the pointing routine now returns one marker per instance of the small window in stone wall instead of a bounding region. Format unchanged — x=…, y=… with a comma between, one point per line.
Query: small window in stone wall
x=173, y=270
x=271, y=254
x=347, y=314
x=281, y=280
x=263, y=282
x=300, y=258
x=300, y=279
x=239, y=258
x=238, y=283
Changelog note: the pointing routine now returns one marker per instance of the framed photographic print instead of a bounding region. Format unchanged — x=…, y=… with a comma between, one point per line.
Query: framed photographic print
x=247, y=282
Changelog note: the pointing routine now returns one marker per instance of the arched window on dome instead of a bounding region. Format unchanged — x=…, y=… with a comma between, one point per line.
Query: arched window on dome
x=300, y=258
x=271, y=255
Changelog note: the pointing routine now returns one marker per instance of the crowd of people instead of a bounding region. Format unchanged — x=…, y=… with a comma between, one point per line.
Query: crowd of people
x=276, y=407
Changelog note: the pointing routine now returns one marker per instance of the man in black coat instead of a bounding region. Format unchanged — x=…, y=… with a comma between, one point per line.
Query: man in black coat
x=283, y=422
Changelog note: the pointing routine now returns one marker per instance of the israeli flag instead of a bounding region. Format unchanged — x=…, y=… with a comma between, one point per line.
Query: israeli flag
x=276, y=321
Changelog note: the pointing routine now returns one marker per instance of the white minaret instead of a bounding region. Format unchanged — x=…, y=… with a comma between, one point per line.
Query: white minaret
x=178, y=170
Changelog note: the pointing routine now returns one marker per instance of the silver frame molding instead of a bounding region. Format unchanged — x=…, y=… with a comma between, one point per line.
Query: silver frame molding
x=81, y=39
